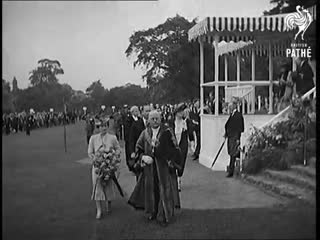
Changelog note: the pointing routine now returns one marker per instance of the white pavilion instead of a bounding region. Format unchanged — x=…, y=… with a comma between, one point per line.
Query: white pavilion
x=250, y=36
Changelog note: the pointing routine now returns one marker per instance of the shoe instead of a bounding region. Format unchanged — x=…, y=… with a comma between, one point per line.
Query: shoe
x=151, y=217
x=229, y=175
x=196, y=157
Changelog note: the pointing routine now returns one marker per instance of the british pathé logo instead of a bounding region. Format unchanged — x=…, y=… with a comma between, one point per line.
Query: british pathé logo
x=299, y=50
x=301, y=19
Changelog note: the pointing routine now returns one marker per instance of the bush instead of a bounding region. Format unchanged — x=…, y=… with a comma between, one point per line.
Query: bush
x=282, y=144
x=270, y=157
x=311, y=145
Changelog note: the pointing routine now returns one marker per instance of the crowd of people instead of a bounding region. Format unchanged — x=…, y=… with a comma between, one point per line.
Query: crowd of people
x=293, y=83
x=152, y=134
x=156, y=147
x=25, y=122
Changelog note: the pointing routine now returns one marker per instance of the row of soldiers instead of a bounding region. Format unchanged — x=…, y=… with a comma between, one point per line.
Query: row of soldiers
x=15, y=122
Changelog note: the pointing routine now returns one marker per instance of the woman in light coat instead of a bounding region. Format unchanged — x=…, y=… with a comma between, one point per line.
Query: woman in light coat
x=102, y=193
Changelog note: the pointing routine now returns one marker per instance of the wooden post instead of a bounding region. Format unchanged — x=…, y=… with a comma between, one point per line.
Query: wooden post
x=238, y=69
x=64, y=126
x=225, y=68
x=253, y=78
x=225, y=75
x=243, y=106
x=201, y=76
x=270, y=79
x=294, y=68
x=238, y=74
x=216, y=75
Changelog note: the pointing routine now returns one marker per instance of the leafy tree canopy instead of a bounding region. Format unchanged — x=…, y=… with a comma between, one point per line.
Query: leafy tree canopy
x=287, y=6
x=169, y=59
x=46, y=72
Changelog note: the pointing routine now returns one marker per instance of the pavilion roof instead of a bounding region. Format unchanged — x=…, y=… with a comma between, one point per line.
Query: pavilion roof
x=241, y=28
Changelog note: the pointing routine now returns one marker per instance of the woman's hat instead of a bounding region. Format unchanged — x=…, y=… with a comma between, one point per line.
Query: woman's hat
x=181, y=107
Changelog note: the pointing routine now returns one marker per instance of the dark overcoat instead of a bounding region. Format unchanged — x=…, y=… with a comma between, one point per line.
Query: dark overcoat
x=233, y=129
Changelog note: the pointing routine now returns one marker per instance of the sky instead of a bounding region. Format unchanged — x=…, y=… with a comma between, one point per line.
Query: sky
x=89, y=38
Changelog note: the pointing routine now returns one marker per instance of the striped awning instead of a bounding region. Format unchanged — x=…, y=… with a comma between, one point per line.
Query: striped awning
x=240, y=28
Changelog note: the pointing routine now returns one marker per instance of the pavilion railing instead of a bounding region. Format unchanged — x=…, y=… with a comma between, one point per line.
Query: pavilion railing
x=283, y=115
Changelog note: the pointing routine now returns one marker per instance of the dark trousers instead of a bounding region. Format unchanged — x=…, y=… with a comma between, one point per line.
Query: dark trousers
x=120, y=132
x=197, y=151
x=233, y=151
x=231, y=165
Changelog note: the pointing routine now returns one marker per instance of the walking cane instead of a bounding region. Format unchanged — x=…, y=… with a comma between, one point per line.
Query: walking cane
x=215, y=159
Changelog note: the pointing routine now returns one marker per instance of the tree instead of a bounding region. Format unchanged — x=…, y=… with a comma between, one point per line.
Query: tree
x=97, y=92
x=168, y=57
x=287, y=6
x=7, y=98
x=46, y=72
x=128, y=94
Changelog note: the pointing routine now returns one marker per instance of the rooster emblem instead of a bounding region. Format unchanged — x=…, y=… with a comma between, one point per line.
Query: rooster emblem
x=301, y=19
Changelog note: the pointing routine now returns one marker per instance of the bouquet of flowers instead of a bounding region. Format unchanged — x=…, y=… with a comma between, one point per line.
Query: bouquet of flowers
x=107, y=163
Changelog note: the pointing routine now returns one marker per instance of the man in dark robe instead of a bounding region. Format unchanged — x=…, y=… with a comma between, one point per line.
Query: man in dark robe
x=233, y=129
x=156, y=190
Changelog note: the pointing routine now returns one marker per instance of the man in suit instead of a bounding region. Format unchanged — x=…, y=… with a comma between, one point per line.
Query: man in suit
x=90, y=124
x=129, y=118
x=195, y=119
x=304, y=80
x=233, y=129
x=29, y=123
x=138, y=125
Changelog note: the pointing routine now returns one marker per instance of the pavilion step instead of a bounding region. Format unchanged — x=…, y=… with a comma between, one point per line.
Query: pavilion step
x=304, y=170
x=287, y=190
x=292, y=177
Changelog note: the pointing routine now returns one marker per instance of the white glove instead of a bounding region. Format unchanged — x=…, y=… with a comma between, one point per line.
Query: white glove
x=147, y=159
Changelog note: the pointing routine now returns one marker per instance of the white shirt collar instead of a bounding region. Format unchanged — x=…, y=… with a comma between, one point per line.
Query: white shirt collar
x=135, y=118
